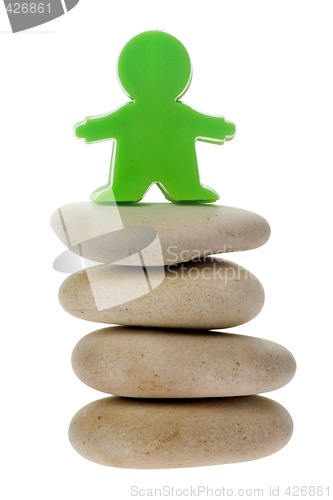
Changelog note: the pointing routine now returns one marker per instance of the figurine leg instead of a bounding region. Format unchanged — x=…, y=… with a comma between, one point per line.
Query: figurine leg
x=130, y=190
x=185, y=192
x=103, y=194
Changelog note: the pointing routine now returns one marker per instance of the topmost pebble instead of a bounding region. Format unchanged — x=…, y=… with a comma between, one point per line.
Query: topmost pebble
x=165, y=233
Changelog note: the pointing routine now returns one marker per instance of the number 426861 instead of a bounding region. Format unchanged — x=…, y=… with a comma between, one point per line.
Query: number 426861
x=28, y=8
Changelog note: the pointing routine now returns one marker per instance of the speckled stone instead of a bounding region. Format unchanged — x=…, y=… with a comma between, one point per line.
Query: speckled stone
x=137, y=362
x=161, y=434
x=201, y=295
x=185, y=232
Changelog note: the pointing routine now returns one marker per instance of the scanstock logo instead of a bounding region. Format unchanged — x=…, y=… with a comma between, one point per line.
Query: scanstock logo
x=26, y=14
x=131, y=256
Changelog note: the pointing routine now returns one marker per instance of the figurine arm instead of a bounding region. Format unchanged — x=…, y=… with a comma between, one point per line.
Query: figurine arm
x=215, y=129
x=97, y=128
x=94, y=129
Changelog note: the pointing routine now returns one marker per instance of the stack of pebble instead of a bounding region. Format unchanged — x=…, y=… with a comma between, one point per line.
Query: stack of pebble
x=183, y=395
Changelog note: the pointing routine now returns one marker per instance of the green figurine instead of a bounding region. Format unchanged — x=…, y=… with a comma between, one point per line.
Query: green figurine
x=155, y=133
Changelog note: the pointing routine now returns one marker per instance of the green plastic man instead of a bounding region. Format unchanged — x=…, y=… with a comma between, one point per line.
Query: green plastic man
x=154, y=135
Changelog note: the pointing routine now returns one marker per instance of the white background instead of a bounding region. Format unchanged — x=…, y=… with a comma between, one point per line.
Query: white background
x=265, y=65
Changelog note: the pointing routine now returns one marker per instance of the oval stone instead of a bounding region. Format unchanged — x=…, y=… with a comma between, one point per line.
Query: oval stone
x=203, y=295
x=161, y=434
x=185, y=232
x=152, y=363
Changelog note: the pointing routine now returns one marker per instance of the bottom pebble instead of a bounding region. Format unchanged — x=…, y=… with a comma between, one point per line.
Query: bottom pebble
x=162, y=434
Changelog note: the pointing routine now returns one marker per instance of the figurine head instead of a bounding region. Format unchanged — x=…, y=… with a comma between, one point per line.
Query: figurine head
x=154, y=65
